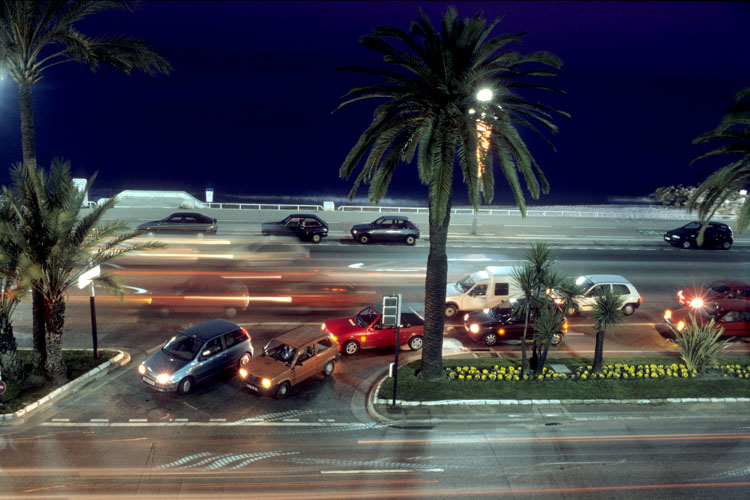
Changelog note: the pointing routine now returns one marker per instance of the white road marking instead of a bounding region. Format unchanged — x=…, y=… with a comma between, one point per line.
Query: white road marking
x=379, y=471
x=137, y=420
x=594, y=227
x=524, y=225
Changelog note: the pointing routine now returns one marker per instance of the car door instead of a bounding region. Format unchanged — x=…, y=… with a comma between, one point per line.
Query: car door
x=293, y=226
x=588, y=300
x=381, y=336
x=172, y=225
x=380, y=229
x=735, y=324
x=306, y=364
x=235, y=347
x=211, y=360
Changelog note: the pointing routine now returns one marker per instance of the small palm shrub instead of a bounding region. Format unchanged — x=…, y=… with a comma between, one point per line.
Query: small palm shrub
x=699, y=344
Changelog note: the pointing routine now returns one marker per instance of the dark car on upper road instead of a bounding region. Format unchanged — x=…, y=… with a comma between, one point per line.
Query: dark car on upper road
x=716, y=290
x=387, y=228
x=306, y=227
x=732, y=315
x=196, y=354
x=504, y=322
x=181, y=222
x=717, y=235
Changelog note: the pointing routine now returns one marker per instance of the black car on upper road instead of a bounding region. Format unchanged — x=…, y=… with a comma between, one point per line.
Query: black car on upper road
x=305, y=226
x=387, y=228
x=717, y=235
x=181, y=222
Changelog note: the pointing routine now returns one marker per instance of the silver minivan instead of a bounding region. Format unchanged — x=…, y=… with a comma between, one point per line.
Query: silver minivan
x=196, y=354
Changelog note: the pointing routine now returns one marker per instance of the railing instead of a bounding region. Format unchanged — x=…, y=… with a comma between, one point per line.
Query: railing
x=264, y=206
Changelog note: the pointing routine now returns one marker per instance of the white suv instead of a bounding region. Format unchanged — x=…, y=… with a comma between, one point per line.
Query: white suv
x=596, y=284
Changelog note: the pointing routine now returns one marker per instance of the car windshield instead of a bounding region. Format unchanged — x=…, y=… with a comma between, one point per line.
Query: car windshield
x=465, y=284
x=365, y=317
x=501, y=312
x=280, y=351
x=183, y=347
x=718, y=289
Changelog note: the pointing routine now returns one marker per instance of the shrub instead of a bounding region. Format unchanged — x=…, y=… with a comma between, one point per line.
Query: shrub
x=699, y=345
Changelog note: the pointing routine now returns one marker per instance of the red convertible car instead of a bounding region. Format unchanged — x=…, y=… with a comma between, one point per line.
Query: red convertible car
x=364, y=330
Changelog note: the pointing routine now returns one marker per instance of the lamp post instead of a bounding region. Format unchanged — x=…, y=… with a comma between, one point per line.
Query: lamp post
x=484, y=131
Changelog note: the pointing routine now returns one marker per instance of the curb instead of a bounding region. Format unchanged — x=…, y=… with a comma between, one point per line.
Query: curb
x=121, y=359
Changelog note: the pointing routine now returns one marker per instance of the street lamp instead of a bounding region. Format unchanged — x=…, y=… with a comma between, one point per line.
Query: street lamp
x=484, y=131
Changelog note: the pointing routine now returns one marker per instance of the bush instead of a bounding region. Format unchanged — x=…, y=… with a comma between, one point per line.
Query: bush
x=699, y=345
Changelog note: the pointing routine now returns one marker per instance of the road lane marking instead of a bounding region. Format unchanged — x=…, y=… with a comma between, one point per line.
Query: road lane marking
x=379, y=471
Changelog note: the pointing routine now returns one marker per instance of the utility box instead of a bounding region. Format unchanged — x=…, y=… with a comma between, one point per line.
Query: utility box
x=328, y=206
x=209, y=195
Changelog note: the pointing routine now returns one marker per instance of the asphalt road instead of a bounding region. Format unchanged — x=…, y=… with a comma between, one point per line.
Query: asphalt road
x=119, y=438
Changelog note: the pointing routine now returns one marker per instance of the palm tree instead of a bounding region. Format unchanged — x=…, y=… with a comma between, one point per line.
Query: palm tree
x=733, y=137
x=12, y=288
x=61, y=244
x=429, y=89
x=547, y=323
x=607, y=314
x=39, y=34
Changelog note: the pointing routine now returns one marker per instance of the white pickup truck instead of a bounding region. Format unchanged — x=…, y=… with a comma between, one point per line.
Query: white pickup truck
x=480, y=290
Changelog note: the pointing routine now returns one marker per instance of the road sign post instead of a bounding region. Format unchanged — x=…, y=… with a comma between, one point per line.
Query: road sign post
x=87, y=279
x=392, y=317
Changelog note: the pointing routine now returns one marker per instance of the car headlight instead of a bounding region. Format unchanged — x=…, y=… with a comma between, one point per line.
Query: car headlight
x=474, y=328
x=266, y=382
x=163, y=378
x=466, y=316
x=680, y=326
x=142, y=369
x=675, y=236
x=323, y=327
x=243, y=373
x=696, y=302
x=667, y=314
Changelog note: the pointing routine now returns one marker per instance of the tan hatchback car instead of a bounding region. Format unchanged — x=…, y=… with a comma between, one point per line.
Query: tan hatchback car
x=290, y=359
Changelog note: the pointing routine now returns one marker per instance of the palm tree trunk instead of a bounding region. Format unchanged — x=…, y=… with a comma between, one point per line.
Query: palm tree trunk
x=11, y=365
x=598, y=353
x=28, y=141
x=525, y=368
x=55, y=320
x=39, y=354
x=436, y=280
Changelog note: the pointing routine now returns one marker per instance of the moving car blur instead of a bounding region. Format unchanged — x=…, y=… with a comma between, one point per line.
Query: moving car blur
x=181, y=222
x=203, y=293
x=393, y=228
x=716, y=290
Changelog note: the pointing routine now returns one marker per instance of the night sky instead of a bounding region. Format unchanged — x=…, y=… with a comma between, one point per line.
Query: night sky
x=247, y=110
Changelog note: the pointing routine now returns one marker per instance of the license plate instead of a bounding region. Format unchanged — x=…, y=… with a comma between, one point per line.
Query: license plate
x=250, y=386
x=149, y=381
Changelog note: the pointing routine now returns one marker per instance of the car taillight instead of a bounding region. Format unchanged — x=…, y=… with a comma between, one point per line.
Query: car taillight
x=247, y=334
x=640, y=299
x=667, y=314
x=565, y=326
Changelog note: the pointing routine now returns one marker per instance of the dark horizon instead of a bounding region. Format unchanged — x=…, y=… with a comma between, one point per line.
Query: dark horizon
x=247, y=110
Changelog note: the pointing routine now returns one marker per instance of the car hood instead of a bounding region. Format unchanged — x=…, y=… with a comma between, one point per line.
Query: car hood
x=481, y=318
x=343, y=326
x=361, y=227
x=697, y=291
x=150, y=223
x=161, y=362
x=452, y=291
x=266, y=367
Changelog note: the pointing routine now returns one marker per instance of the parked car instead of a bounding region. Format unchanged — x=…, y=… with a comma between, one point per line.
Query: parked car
x=717, y=234
x=365, y=330
x=716, y=290
x=387, y=228
x=203, y=293
x=505, y=322
x=196, y=354
x=733, y=315
x=290, y=359
x=306, y=227
x=181, y=222
x=596, y=284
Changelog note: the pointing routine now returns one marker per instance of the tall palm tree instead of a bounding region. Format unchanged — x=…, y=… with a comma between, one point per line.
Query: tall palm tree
x=61, y=244
x=12, y=288
x=732, y=137
x=607, y=314
x=38, y=34
x=430, y=90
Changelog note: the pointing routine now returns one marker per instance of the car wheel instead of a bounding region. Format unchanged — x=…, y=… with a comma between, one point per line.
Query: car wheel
x=490, y=339
x=350, y=347
x=556, y=338
x=282, y=391
x=726, y=245
x=451, y=310
x=364, y=239
x=686, y=244
x=328, y=368
x=316, y=238
x=410, y=240
x=185, y=385
x=628, y=309
x=415, y=343
x=231, y=312
x=245, y=359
